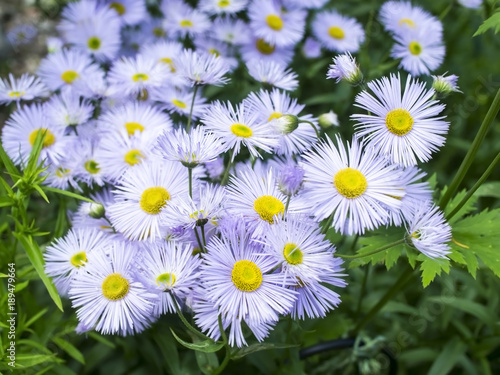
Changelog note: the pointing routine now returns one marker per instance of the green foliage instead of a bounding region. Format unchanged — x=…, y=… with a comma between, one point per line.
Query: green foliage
x=491, y=23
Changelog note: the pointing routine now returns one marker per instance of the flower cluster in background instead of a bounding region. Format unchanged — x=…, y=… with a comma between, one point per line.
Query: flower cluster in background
x=214, y=207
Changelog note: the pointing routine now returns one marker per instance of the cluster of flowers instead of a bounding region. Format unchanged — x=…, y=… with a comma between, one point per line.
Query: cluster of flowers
x=168, y=234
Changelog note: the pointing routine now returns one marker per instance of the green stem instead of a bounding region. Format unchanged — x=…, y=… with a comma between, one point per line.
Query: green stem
x=446, y=11
x=380, y=249
x=191, y=109
x=190, y=177
x=398, y=285
x=203, y=236
x=363, y=290
x=202, y=248
x=228, y=168
x=287, y=203
x=224, y=362
x=313, y=126
x=476, y=186
x=469, y=158
x=327, y=225
x=186, y=323
x=485, y=366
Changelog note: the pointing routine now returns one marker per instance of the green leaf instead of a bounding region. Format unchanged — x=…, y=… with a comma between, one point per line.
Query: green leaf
x=36, y=317
x=207, y=362
x=101, y=339
x=9, y=165
x=478, y=236
x=481, y=312
x=41, y=192
x=29, y=360
x=35, y=153
x=6, y=202
x=489, y=189
x=467, y=208
x=36, y=259
x=378, y=240
x=431, y=268
x=168, y=348
x=206, y=346
x=62, y=219
x=68, y=193
x=449, y=356
x=70, y=349
x=246, y=350
x=491, y=23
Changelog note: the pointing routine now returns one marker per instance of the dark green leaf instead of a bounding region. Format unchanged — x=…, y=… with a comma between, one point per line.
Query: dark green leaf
x=9, y=165
x=206, y=346
x=70, y=349
x=467, y=208
x=241, y=352
x=448, y=357
x=68, y=193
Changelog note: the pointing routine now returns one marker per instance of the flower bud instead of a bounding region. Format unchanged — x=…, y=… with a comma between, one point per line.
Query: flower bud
x=345, y=68
x=286, y=123
x=328, y=119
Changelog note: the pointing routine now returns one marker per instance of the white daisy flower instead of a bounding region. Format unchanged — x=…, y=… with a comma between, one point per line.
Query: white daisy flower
x=272, y=73
x=119, y=153
x=109, y=296
x=258, y=49
x=83, y=218
x=237, y=280
x=429, y=232
x=89, y=167
x=401, y=16
x=337, y=32
x=351, y=186
x=275, y=25
x=191, y=149
x=237, y=127
x=215, y=7
x=404, y=127
x=179, y=101
x=208, y=45
x=256, y=196
x=68, y=110
x=231, y=31
x=311, y=48
x=97, y=34
x=344, y=67
x=63, y=175
x=68, y=69
x=136, y=117
x=21, y=130
x=420, y=51
x=473, y=4
x=170, y=270
x=27, y=87
x=137, y=75
x=131, y=12
x=202, y=69
x=310, y=4
x=143, y=193
x=166, y=53
x=69, y=255
x=54, y=44
x=275, y=108
x=181, y=20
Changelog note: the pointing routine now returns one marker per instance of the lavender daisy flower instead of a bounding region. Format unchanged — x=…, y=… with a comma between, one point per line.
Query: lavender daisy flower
x=344, y=67
x=27, y=87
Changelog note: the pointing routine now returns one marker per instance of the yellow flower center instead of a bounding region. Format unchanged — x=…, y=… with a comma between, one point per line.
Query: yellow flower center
x=399, y=121
x=168, y=61
x=264, y=47
x=267, y=207
x=92, y=166
x=336, y=32
x=186, y=23
x=140, y=77
x=214, y=52
x=223, y=3
x=47, y=141
x=179, y=103
x=406, y=21
x=274, y=22
x=133, y=157
x=274, y=115
x=94, y=43
x=293, y=255
x=119, y=7
x=246, y=276
x=16, y=94
x=115, y=287
x=350, y=182
x=69, y=76
x=132, y=127
x=241, y=130
x=167, y=279
x=79, y=259
x=159, y=32
x=415, y=48
x=154, y=199
x=61, y=172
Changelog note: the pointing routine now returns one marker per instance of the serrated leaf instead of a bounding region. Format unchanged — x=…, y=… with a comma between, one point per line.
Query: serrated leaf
x=241, y=352
x=380, y=239
x=431, y=268
x=491, y=23
x=206, y=346
x=70, y=349
x=467, y=208
x=489, y=189
x=478, y=235
x=36, y=259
